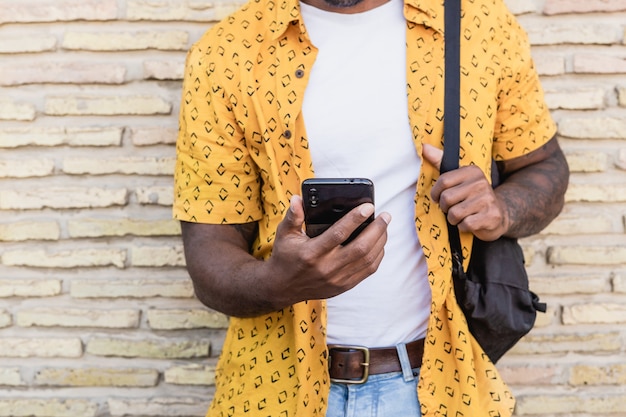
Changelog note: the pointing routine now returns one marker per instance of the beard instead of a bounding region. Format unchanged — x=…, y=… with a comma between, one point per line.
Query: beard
x=342, y=3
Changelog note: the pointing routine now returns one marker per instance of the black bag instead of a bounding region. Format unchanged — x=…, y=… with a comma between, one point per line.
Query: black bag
x=493, y=294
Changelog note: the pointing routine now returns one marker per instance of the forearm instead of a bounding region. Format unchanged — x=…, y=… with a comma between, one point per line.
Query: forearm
x=534, y=195
x=225, y=276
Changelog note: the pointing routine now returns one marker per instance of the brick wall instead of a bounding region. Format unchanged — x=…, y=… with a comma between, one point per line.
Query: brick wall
x=97, y=315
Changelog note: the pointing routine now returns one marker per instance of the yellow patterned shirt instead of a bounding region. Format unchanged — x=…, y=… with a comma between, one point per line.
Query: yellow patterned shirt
x=243, y=152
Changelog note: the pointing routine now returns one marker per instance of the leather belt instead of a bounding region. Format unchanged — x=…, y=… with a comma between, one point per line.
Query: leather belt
x=353, y=364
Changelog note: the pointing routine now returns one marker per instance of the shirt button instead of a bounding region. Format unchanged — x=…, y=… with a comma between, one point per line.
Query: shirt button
x=299, y=73
x=287, y=134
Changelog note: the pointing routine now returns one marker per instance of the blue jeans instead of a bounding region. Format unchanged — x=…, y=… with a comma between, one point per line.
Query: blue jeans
x=383, y=395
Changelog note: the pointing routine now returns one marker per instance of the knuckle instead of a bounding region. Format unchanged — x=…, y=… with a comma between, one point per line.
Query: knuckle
x=444, y=182
x=445, y=200
x=339, y=234
x=360, y=250
x=308, y=259
x=453, y=217
x=470, y=224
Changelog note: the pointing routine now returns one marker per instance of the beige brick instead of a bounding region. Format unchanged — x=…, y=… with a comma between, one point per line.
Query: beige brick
x=97, y=377
x=530, y=375
x=44, y=347
x=126, y=41
x=621, y=159
x=39, y=258
x=57, y=197
x=614, y=374
x=31, y=11
x=31, y=230
x=188, y=10
x=605, y=313
x=190, y=375
x=573, y=224
x=155, y=256
x=25, y=168
x=138, y=288
x=162, y=196
x=29, y=288
x=561, y=404
x=78, y=317
x=587, y=255
x=621, y=95
x=5, y=319
x=147, y=348
x=575, y=99
x=593, y=128
x=26, y=407
x=173, y=319
x=12, y=110
x=161, y=407
x=610, y=193
x=599, y=64
x=570, y=284
x=564, y=342
x=521, y=6
x=89, y=136
x=164, y=70
x=106, y=106
x=147, y=136
x=127, y=166
x=587, y=161
x=11, y=377
x=62, y=73
x=30, y=43
x=549, y=64
x=552, y=7
x=586, y=34
x=121, y=227
x=619, y=283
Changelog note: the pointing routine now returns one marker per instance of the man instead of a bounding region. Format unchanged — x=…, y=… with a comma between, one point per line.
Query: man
x=283, y=91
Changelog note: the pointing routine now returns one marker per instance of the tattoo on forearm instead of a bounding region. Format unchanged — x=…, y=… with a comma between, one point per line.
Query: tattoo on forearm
x=534, y=195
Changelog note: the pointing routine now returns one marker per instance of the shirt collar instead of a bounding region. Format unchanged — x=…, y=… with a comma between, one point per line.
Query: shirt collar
x=285, y=12
x=425, y=12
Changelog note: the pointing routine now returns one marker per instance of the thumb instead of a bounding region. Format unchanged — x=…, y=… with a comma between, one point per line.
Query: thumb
x=294, y=219
x=433, y=155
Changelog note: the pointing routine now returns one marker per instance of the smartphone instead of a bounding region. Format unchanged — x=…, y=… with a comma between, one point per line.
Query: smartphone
x=326, y=200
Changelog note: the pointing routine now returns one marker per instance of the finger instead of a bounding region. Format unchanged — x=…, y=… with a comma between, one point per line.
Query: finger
x=363, y=256
x=432, y=155
x=455, y=186
x=343, y=228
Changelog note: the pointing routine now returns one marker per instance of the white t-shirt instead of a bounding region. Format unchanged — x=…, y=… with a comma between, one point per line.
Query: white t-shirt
x=356, y=115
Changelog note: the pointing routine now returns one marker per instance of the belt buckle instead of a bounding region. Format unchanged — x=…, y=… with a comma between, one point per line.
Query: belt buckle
x=365, y=364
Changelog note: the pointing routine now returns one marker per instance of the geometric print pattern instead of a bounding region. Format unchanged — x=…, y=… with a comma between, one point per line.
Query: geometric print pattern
x=242, y=152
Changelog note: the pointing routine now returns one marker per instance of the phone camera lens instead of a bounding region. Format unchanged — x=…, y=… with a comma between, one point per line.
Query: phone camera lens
x=313, y=197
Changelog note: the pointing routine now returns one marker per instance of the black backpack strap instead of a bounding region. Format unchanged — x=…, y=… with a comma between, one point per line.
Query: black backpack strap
x=452, y=82
x=452, y=103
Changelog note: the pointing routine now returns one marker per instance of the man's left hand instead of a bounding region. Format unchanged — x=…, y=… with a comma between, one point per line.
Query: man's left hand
x=467, y=198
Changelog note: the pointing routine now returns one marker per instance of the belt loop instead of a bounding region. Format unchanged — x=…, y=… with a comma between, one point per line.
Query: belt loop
x=405, y=362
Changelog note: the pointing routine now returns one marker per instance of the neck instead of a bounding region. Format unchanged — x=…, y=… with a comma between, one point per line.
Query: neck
x=346, y=7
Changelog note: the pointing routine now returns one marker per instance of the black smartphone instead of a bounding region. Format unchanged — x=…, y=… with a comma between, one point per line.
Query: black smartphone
x=326, y=200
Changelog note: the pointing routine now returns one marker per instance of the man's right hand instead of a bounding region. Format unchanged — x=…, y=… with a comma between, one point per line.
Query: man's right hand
x=228, y=279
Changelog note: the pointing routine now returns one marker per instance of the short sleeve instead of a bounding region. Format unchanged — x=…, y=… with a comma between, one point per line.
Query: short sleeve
x=216, y=179
x=523, y=121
